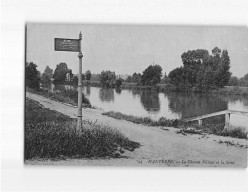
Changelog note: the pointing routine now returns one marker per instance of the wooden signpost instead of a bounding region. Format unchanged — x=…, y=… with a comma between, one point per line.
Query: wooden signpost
x=73, y=45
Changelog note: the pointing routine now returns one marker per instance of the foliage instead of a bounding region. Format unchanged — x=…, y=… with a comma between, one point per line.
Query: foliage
x=52, y=135
x=75, y=80
x=88, y=75
x=136, y=78
x=83, y=77
x=47, y=75
x=234, y=81
x=129, y=79
x=32, y=77
x=165, y=79
x=218, y=129
x=244, y=81
x=60, y=73
x=95, y=77
x=107, y=78
x=152, y=75
x=118, y=83
x=202, y=71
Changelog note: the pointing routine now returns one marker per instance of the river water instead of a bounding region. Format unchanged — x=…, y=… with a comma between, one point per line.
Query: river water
x=171, y=105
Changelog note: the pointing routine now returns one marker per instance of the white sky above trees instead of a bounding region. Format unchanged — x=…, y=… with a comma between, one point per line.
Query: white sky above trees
x=126, y=49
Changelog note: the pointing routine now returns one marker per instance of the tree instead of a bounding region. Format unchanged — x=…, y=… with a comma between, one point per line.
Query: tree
x=202, y=71
x=47, y=75
x=152, y=75
x=129, y=79
x=32, y=77
x=107, y=78
x=175, y=76
x=165, y=79
x=222, y=73
x=75, y=80
x=60, y=73
x=136, y=78
x=88, y=75
x=118, y=83
x=234, y=81
x=244, y=81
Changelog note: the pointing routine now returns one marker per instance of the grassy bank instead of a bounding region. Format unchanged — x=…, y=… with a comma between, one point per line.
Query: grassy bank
x=52, y=135
x=210, y=128
x=145, y=120
x=65, y=96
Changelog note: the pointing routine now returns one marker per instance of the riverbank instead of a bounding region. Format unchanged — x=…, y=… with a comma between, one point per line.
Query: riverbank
x=53, y=135
x=210, y=128
x=66, y=96
x=156, y=145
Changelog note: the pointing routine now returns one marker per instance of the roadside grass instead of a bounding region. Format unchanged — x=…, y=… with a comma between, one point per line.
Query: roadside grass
x=190, y=128
x=65, y=96
x=145, y=120
x=218, y=129
x=52, y=135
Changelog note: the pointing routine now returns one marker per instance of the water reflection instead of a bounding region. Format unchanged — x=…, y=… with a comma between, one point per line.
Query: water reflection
x=172, y=105
x=118, y=90
x=65, y=87
x=191, y=105
x=135, y=93
x=88, y=90
x=150, y=101
x=106, y=94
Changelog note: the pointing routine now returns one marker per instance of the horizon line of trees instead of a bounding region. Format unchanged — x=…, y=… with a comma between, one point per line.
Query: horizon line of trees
x=201, y=71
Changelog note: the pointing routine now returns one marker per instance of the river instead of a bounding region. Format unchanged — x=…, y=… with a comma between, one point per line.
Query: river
x=171, y=105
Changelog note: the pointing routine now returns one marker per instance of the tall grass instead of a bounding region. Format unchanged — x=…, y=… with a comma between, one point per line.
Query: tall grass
x=145, y=120
x=66, y=96
x=52, y=135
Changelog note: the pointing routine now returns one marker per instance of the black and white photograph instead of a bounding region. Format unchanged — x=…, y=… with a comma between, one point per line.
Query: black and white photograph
x=136, y=95
x=124, y=96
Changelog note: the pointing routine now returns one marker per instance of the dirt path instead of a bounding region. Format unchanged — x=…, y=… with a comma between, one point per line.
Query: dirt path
x=158, y=147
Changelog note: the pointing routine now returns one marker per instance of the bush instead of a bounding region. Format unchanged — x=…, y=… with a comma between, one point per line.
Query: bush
x=52, y=135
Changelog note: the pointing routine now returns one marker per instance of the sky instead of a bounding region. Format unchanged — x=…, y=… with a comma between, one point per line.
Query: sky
x=126, y=49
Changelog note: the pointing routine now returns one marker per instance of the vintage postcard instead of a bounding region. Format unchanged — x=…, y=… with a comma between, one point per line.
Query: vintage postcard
x=136, y=95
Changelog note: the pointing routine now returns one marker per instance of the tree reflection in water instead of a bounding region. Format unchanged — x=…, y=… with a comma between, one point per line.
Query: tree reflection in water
x=106, y=94
x=87, y=90
x=150, y=101
x=191, y=105
x=118, y=90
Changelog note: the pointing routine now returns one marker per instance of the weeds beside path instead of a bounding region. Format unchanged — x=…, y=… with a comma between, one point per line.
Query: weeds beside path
x=52, y=135
x=155, y=143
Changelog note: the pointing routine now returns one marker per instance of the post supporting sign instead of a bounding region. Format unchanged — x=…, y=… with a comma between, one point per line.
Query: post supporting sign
x=73, y=45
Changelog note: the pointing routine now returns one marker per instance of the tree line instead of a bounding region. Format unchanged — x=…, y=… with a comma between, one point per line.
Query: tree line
x=201, y=71
x=61, y=75
x=235, y=81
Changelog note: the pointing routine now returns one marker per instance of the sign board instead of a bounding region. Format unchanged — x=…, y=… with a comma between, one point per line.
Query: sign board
x=67, y=45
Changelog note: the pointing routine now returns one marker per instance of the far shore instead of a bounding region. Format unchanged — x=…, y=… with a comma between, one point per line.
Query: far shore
x=162, y=87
